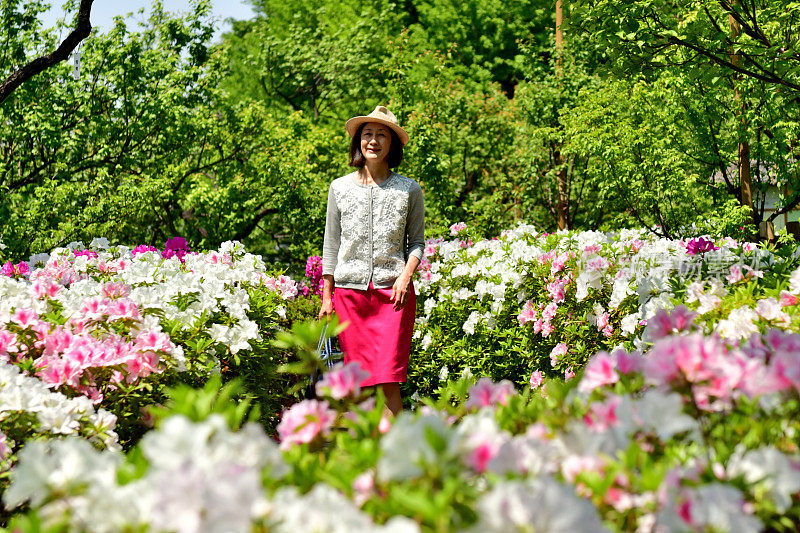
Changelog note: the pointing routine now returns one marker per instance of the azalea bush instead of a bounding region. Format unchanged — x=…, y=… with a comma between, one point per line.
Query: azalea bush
x=116, y=325
x=695, y=434
x=527, y=301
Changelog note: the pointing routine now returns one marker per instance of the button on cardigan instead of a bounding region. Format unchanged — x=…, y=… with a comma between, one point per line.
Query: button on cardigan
x=372, y=230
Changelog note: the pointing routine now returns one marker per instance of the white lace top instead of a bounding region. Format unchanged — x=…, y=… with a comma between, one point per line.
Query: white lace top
x=371, y=230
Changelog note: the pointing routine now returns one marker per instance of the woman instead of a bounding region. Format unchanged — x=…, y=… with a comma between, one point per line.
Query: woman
x=374, y=239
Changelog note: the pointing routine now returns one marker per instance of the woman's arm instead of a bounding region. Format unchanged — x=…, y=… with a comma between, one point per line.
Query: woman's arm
x=415, y=235
x=330, y=253
x=415, y=224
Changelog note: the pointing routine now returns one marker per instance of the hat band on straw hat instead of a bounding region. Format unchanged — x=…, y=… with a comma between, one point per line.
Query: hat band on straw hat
x=380, y=115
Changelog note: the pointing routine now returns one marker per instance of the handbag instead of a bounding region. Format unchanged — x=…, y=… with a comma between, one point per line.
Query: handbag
x=328, y=350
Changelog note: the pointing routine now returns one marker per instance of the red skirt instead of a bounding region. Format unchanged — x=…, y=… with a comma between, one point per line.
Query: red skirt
x=378, y=337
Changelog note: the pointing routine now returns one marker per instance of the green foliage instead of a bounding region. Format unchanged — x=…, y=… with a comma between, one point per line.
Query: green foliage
x=230, y=400
x=728, y=220
x=631, y=135
x=303, y=339
x=726, y=101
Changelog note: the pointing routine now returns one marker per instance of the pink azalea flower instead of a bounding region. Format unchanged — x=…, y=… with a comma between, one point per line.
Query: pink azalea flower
x=457, y=228
x=24, y=317
x=735, y=274
x=636, y=245
x=569, y=374
x=8, y=269
x=627, y=363
x=555, y=290
x=598, y=263
x=704, y=362
x=487, y=393
x=537, y=378
x=363, y=487
x=142, y=248
x=45, y=288
x=8, y=342
x=122, y=309
x=89, y=254
x=5, y=449
x=591, y=249
x=665, y=322
x=479, y=457
x=600, y=371
x=602, y=320
x=153, y=340
x=304, y=422
x=557, y=353
x=788, y=299
x=116, y=290
x=602, y=415
x=528, y=313
x=558, y=264
x=342, y=381
x=699, y=246
x=93, y=308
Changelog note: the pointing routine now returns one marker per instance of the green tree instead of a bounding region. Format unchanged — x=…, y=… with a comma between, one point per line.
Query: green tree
x=737, y=60
x=143, y=146
x=633, y=138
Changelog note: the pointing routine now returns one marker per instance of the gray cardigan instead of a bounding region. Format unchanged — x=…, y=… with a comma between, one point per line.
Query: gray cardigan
x=372, y=230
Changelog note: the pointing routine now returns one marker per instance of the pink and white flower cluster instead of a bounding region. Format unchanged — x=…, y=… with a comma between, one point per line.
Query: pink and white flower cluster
x=91, y=319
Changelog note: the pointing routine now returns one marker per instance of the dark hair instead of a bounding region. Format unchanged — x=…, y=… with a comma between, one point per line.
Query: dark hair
x=394, y=158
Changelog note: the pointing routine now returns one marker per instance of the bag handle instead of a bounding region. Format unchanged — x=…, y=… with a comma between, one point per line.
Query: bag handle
x=324, y=340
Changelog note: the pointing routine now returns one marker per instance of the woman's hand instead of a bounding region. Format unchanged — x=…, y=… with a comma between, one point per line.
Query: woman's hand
x=400, y=290
x=326, y=311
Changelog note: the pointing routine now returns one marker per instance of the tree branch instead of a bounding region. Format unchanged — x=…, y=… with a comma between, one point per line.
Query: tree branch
x=42, y=63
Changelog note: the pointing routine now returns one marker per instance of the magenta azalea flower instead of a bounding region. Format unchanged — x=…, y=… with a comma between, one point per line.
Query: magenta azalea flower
x=18, y=270
x=142, y=248
x=314, y=273
x=175, y=247
x=89, y=254
x=699, y=245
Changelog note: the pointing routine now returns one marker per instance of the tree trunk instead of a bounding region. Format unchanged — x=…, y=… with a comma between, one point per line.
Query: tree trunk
x=745, y=178
x=562, y=203
x=559, y=36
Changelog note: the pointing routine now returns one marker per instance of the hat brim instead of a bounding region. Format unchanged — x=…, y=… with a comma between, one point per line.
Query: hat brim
x=352, y=125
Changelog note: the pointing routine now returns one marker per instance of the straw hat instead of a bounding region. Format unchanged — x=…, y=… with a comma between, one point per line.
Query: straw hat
x=383, y=116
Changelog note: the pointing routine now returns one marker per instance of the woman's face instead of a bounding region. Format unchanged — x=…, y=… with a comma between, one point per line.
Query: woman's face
x=375, y=142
